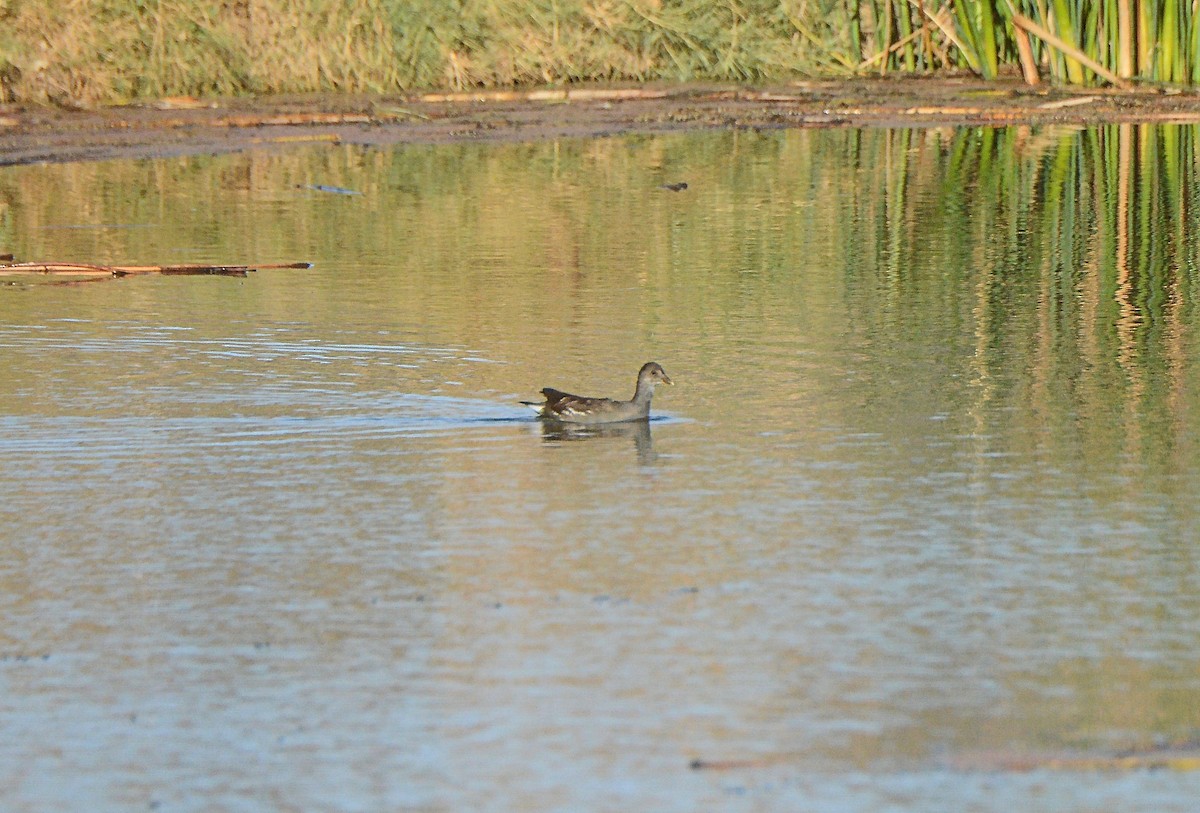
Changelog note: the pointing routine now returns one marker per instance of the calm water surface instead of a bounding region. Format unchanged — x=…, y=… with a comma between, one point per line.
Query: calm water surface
x=922, y=504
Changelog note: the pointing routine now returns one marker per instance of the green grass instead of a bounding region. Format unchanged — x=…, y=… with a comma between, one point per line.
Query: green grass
x=105, y=51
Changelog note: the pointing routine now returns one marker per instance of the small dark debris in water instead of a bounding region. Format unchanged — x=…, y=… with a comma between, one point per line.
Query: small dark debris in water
x=497, y=606
x=674, y=187
x=727, y=764
x=420, y=596
x=23, y=658
x=333, y=190
x=262, y=644
x=683, y=590
x=604, y=598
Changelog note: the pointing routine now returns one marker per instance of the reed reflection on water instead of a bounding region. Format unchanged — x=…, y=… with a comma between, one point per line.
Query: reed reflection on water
x=921, y=507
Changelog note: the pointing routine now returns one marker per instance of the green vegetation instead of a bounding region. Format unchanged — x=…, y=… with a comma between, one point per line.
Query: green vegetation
x=117, y=50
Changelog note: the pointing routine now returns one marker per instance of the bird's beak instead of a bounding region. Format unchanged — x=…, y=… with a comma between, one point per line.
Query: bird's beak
x=667, y=379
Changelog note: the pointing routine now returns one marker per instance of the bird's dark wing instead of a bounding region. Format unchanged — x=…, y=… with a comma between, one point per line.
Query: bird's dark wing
x=566, y=405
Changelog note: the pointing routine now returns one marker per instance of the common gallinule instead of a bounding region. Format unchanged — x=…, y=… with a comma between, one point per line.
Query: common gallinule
x=567, y=408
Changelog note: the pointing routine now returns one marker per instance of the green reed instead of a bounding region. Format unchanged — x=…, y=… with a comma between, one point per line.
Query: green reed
x=1157, y=40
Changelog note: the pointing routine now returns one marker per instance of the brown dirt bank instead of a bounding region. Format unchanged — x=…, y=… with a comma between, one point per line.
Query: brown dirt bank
x=175, y=127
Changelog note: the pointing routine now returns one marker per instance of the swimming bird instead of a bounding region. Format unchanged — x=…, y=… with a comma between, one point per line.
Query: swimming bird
x=567, y=408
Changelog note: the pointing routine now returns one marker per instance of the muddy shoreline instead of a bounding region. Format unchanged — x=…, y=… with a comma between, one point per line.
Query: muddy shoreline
x=184, y=127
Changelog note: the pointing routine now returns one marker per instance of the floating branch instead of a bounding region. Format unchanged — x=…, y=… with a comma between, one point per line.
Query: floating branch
x=553, y=95
x=91, y=270
x=1183, y=756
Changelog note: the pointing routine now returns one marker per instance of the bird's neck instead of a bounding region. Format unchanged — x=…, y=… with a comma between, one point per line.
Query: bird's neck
x=645, y=389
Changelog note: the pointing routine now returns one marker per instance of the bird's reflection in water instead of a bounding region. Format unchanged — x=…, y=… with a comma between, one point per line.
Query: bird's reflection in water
x=639, y=431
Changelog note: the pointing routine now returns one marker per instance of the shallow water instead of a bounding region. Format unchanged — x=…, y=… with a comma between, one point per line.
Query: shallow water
x=922, y=502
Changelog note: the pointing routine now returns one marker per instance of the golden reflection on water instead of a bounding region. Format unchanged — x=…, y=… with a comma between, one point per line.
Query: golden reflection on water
x=927, y=483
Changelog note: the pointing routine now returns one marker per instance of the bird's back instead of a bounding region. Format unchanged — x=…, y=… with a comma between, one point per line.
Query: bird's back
x=578, y=409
